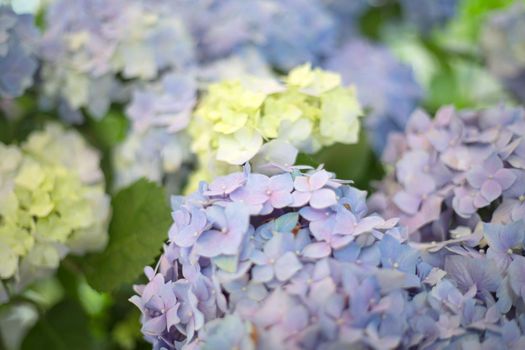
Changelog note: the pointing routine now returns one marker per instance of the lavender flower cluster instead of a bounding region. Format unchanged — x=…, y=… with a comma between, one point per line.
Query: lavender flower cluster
x=18, y=40
x=93, y=50
x=385, y=85
x=294, y=261
x=504, y=48
x=287, y=33
x=455, y=170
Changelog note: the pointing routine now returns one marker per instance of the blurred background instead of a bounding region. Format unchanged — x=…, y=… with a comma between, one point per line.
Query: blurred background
x=107, y=68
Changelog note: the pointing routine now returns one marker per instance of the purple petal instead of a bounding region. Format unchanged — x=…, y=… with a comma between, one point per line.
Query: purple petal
x=286, y=266
x=172, y=318
x=154, y=326
x=407, y=202
x=262, y=274
x=282, y=182
x=491, y=190
x=476, y=177
x=317, y=250
x=300, y=198
x=505, y=177
x=319, y=179
x=492, y=164
x=323, y=198
x=281, y=199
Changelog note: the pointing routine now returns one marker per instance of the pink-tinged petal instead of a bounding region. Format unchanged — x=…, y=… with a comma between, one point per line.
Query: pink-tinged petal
x=249, y=196
x=262, y=273
x=480, y=201
x=423, y=185
x=154, y=326
x=322, y=230
x=211, y=243
x=172, y=318
x=367, y=224
x=296, y=319
x=286, y=266
x=317, y=250
x=430, y=211
x=476, y=177
x=137, y=301
x=339, y=242
x=491, y=190
x=281, y=199
x=407, y=202
x=300, y=198
x=345, y=221
x=319, y=179
x=153, y=287
x=312, y=214
x=518, y=213
x=492, y=164
x=464, y=206
x=185, y=237
x=323, y=198
x=301, y=183
x=438, y=138
x=505, y=177
x=282, y=182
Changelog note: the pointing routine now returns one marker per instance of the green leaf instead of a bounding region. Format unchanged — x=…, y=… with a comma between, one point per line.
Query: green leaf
x=64, y=327
x=141, y=219
x=348, y=162
x=111, y=129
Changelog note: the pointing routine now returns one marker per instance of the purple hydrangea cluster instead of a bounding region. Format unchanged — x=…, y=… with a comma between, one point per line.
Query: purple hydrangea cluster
x=346, y=15
x=458, y=169
x=504, y=48
x=286, y=32
x=428, y=14
x=18, y=63
x=293, y=261
x=94, y=50
x=384, y=85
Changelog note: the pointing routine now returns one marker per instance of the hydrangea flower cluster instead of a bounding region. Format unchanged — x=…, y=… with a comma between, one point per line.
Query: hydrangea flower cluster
x=18, y=40
x=52, y=202
x=429, y=14
x=504, y=47
x=455, y=170
x=154, y=154
x=346, y=15
x=309, y=110
x=294, y=261
x=286, y=32
x=92, y=49
x=383, y=84
x=157, y=144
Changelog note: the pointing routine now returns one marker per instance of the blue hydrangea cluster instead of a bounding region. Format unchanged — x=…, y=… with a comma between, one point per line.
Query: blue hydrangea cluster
x=18, y=63
x=346, y=15
x=428, y=14
x=384, y=85
x=504, y=48
x=155, y=154
x=294, y=261
x=458, y=169
x=93, y=50
x=157, y=146
x=286, y=32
